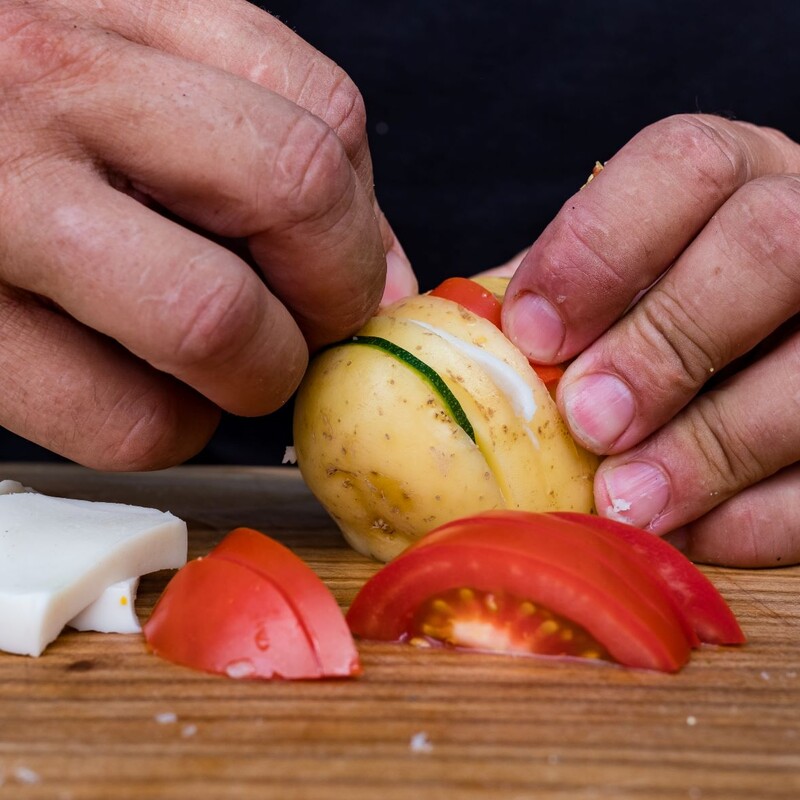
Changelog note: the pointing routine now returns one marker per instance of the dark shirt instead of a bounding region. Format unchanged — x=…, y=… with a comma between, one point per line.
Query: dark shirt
x=484, y=117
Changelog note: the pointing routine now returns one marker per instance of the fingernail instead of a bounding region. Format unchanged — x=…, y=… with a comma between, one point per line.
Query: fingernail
x=535, y=327
x=637, y=493
x=599, y=409
x=400, y=279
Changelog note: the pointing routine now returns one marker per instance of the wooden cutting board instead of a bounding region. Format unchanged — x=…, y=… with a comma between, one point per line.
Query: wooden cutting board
x=98, y=717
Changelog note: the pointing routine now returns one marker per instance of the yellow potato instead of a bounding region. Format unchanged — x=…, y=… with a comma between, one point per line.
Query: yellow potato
x=382, y=447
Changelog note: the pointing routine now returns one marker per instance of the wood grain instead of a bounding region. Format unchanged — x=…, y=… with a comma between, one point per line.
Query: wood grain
x=98, y=717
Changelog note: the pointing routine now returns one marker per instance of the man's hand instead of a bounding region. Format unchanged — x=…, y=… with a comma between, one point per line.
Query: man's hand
x=695, y=391
x=134, y=139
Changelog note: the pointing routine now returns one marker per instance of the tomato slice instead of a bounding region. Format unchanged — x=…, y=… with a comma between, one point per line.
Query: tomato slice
x=252, y=609
x=550, y=374
x=589, y=587
x=472, y=296
x=694, y=593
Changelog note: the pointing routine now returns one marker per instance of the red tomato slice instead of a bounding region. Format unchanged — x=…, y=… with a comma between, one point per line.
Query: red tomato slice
x=304, y=592
x=550, y=374
x=525, y=558
x=702, y=604
x=252, y=609
x=472, y=296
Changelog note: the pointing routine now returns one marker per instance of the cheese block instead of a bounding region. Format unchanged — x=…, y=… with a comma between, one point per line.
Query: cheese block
x=113, y=612
x=58, y=556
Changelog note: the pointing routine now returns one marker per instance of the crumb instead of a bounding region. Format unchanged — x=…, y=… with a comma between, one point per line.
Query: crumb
x=691, y=721
x=289, y=455
x=765, y=676
x=619, y=505
x=166, y=718
x=188, y=731
x=26, y=775
x=420, y=743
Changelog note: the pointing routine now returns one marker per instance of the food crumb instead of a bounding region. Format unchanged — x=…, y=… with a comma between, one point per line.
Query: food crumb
x=26, y=775
x=166, y=718
x=188, y=731
x=289, y=455
x=691, y=721
x=420, y=743
x=620, y=505
x=765, y=675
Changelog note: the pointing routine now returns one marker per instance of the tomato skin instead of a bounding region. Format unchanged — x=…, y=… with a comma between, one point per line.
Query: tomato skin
x=530, y=556
x=472, y=296
x=252, y=609
x=702, y=604
x=304, y=592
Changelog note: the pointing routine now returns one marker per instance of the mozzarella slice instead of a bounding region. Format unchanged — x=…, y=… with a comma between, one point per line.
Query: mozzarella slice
x=113, y=612
x=58, y=556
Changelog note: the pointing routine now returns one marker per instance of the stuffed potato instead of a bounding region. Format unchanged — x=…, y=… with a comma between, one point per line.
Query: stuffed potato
x=429, y=414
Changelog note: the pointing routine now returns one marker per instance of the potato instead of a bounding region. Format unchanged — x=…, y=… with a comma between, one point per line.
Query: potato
x=393, y=449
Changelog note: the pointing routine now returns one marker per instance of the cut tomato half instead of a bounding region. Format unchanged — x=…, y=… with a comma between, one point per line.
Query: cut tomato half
x=472, y=296
x=252, y=609
x=698, y=598
x=551, y=575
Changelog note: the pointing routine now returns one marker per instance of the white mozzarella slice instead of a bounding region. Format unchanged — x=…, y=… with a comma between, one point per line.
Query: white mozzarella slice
x=58, y=556
x=113, y=612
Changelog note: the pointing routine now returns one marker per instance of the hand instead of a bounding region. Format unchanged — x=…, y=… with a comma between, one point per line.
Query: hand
x=135, y=139
x=695, y=391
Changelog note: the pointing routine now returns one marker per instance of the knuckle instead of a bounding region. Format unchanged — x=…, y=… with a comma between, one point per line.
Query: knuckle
x=213, y=325
x=688, y=350
x=724, y=446
x=311, y=175
x=139, y=432
x=708, y=149
x=764, y=226
x=346, y=112
x=582, y=243
x=38, y=43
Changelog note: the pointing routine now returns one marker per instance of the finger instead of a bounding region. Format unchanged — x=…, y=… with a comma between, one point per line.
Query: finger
x=241, y=39
x=240, y=161
x=759, y=527
x=82, y=396
x=400, y=278
x=188, y=307
x=735, y=284
x=726, y=440
x=622, y=232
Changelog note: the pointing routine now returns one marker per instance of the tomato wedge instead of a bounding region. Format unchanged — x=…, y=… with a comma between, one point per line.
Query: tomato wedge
x=694, y=593
x=252, y=609
x=550, y=374
x=592, y=596
x=472, y=296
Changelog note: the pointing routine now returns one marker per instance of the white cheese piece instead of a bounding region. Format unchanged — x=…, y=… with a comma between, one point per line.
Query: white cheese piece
x=58, y=556
x=13, y=487
x=113, y=612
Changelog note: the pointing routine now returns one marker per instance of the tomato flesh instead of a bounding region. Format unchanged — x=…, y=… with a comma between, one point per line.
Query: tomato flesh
x=698, y=598
x=472, y=296
x=537, y=558
x=252, y=609
x=499, y=622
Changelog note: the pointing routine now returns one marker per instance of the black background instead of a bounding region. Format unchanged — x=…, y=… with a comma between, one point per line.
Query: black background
x=484, y=117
